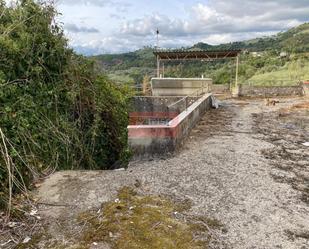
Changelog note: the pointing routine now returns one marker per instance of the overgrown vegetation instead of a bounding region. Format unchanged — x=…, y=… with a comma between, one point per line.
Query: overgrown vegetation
x=56, y=112
x=261, y=64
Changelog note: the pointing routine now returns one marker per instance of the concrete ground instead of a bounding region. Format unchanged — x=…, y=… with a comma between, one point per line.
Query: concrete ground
x=223, y=169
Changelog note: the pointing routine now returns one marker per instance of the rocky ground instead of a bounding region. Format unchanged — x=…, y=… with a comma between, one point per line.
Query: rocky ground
x=244, y=168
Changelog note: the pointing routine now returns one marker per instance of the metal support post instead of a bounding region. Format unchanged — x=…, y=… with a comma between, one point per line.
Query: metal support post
x=163, y=70
x=237, y=68
x=158, y=66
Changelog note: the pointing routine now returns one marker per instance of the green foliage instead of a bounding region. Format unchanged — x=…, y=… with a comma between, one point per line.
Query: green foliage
x=289, y=74
x=132, y=66
x=55, y=111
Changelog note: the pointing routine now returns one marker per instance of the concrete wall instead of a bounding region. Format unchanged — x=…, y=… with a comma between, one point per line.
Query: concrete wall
x=148, y=107
x=179, y=86
x=222, y=88
x=262, y=91
x=157, y=104
x=271, y=91
x=153, y=140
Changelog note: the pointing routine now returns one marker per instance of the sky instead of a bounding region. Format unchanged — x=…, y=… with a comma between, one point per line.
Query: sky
x=116, y=26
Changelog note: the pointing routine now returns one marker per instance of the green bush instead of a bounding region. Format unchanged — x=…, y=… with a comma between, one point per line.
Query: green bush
x=55, y=111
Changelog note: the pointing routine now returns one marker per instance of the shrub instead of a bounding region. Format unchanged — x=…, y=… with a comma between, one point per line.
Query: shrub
x=55, y=111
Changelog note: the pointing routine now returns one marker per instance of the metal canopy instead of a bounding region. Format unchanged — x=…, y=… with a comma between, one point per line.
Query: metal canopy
x=198, y=54
x=177, y=55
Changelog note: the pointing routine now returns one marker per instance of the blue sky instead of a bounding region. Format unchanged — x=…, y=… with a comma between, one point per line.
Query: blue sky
x=114, y=26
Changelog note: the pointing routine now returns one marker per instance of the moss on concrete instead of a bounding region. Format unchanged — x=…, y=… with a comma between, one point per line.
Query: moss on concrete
x=142, y=222
x=134, y=221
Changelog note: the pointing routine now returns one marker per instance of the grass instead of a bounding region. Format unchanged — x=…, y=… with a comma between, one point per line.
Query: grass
x=288, y=75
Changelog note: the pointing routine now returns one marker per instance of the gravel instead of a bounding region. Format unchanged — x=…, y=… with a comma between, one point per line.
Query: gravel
x=221, y=169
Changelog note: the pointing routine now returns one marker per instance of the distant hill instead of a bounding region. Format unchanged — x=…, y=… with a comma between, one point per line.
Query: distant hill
x=294, y=40
x=131, y=67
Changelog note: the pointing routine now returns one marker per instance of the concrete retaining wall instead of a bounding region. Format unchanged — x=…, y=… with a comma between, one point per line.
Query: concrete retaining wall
x=271, y=91
x=224, y=88
x=148, y=107
x=179, y=86
x=157, y=104
x=153, y=140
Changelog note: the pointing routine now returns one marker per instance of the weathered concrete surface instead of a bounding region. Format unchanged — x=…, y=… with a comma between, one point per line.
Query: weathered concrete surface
x=158, y=140
x=270, y=91
x=145, y=108
x=261, y=91
x=179, y=86
x=153, y=104
x=221, y=170
x=220, y=88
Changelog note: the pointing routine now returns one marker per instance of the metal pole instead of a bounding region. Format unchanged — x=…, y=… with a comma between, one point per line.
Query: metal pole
x=158, y=66
x=163, y=70
x=237, y=67
x=158, y=59
x=158, y=38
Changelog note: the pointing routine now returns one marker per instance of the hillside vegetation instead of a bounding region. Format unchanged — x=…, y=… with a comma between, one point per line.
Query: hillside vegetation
x=55, y=111
x=261, y=63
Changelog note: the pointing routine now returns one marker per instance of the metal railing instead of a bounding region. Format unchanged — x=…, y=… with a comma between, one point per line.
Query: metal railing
x=176, y=107
x=186, y=99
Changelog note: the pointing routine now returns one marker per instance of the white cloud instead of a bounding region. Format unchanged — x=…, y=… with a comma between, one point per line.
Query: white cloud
x=206, y=14
x=70, y=27
x=123, y=27
x=214, y=19
x=149, y=24
x=120, y=6
x=86, y=2
x=105, y=45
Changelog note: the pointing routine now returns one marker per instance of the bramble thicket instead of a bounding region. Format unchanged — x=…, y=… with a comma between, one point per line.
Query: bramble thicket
x=56, y=111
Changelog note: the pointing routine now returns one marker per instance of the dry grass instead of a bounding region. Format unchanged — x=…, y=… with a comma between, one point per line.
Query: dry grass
x=300, y=106
x=287, y=130
x=304, y=105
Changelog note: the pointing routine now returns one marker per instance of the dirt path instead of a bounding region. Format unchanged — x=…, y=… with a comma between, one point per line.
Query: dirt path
x=221, y=170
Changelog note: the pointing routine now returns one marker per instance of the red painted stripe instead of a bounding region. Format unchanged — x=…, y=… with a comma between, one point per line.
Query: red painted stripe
x=153, y=132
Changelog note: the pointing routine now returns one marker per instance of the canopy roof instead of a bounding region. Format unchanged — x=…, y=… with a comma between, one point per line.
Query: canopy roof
x=175, y=55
